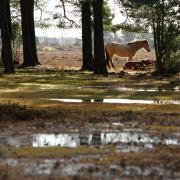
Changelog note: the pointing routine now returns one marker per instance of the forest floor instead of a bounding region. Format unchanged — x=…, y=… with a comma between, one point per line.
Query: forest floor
x=61, y=123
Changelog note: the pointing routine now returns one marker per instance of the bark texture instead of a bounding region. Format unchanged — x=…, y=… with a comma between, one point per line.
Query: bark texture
x=99, y=55
x=28, y=33
x=5, y=25
x=87, y=37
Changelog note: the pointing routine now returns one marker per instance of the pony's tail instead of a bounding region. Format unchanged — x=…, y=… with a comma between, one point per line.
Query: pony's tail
x=107, y=56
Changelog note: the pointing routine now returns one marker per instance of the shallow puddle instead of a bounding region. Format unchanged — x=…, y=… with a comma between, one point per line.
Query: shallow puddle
x=131, y=140
x=102, y=138
x=86, y=165
x=136, y=89
x=175, y=89
x=118, y=101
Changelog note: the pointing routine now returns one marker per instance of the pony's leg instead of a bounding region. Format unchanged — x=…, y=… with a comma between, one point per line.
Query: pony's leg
x=107, y=59
x=108, y=64
x=110, y=59
x=130, y=58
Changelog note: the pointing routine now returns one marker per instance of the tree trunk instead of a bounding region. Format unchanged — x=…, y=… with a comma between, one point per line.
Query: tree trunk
x=8, y=14
x=5, y=24
x=28, y=33
x=158, y=31
x=158, y=48
x=99, y=55
x=2, y=52
x=87, y=37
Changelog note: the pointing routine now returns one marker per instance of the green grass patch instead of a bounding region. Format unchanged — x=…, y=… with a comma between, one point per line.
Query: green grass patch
x=37, y=85
x=46, y=152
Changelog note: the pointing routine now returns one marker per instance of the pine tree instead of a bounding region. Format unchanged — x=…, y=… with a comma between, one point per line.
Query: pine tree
x=163, y=18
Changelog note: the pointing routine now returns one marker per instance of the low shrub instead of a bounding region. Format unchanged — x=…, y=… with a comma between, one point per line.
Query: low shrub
x=172, y=64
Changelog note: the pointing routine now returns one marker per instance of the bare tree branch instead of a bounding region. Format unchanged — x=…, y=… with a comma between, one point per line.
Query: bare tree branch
x=72, y=22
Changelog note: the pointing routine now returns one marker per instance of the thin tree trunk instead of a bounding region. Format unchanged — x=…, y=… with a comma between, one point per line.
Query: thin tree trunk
x=5, y=25
x=87, y=36
x=99, y=55
x=159, y=64
x=28, y=33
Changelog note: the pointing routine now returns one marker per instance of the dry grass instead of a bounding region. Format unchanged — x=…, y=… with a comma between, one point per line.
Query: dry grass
x=72, y=59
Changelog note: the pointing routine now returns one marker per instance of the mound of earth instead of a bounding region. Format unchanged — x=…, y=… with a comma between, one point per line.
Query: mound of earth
x=142, y=65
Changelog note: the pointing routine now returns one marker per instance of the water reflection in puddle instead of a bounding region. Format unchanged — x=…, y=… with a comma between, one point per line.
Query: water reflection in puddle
x=126, y=140
x=63, y=140
x=136, y=89
x=125, y=148
x=118, y=101
x=175, y=89
x=103, y=138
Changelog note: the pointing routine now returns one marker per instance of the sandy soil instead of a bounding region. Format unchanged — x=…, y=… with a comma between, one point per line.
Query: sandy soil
x=62, y=59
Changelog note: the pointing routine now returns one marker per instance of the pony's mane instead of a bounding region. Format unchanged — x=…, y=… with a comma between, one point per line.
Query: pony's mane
x=138, y=41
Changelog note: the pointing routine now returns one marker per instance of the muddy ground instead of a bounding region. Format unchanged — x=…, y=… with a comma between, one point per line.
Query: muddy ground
x=60, y=123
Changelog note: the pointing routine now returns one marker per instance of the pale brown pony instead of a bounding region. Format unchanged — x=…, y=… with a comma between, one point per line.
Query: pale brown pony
x=124, y=50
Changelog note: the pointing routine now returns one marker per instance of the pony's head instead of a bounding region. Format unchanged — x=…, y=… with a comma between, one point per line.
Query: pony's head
x=146, y=45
